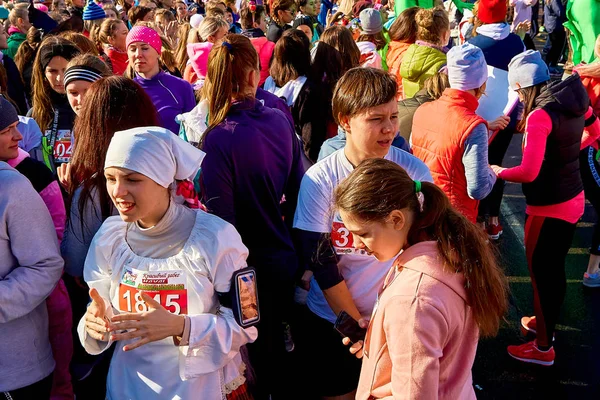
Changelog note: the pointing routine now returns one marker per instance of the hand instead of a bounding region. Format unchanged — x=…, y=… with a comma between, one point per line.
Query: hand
x=522, y=28
x=305, y=280
x=96, y=323
x=499, y=123
x=497, y=169
x=155, y=324
x=64, y=174
x=357, y=348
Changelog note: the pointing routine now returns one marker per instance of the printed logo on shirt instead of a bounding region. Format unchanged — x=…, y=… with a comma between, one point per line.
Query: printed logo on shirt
x=166, y=287
x=63, y=145
x=342, y=239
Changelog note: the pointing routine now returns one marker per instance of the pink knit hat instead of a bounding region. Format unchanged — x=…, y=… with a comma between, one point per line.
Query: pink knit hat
x=144, y=34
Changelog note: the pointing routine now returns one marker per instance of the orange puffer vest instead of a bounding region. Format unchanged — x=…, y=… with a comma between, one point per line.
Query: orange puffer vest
x=439, y=131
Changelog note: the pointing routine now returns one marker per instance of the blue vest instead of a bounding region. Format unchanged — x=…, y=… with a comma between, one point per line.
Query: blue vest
x=498, y=53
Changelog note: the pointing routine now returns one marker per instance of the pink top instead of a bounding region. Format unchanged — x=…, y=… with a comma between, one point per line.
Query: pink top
x=539, y=126
x=522, y=11
x=422, y=339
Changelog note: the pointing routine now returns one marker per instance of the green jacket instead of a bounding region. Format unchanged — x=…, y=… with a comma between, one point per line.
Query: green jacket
x=418, y=64
x=401, y=5
x=14, y=41
x=583, y=22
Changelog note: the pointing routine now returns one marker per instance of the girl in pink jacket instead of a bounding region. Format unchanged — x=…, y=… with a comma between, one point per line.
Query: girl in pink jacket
x=444, y=290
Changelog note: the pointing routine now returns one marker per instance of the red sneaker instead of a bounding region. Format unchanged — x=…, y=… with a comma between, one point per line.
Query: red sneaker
x=529, y=352
x=494, y=231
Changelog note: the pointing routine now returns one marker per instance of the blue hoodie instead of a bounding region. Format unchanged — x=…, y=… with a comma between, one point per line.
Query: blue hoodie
x=171, y=96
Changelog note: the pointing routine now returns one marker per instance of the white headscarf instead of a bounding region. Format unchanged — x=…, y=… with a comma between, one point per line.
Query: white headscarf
x=154, y=152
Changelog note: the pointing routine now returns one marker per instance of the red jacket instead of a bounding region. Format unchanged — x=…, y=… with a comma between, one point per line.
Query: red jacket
x=439, y=131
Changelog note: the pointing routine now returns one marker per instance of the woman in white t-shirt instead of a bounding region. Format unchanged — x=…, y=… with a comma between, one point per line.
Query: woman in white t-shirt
x=345, y=278
x=156, y=274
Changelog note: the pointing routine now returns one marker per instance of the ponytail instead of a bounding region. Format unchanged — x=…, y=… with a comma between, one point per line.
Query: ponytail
x=377, y=187
x=228, y=66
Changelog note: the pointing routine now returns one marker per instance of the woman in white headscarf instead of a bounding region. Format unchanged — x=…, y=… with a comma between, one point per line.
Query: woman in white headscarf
x=156, y=274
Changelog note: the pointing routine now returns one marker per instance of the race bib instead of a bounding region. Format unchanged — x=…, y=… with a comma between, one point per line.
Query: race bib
x=166, y=287
x=342, y=239
x=63, y=146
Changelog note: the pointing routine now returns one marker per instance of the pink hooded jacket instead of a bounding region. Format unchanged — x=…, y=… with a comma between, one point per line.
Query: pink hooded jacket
x=422, y=339
x=198, y=54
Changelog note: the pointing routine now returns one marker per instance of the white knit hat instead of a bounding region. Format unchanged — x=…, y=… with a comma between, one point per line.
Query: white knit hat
x=467, y=69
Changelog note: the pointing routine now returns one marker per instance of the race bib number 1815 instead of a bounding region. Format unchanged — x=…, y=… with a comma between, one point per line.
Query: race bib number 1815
x=166, y=287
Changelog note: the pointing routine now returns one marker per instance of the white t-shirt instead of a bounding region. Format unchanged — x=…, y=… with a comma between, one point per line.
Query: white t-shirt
x=362, y=273
x=186, y=283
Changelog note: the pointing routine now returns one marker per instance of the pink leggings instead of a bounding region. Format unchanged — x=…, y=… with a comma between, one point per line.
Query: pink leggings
x=60, y=322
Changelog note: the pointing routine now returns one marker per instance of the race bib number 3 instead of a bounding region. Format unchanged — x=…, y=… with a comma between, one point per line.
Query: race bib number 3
x=342, y=239
x=166, y=287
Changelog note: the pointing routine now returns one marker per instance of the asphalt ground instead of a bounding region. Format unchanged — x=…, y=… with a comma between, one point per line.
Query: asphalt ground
x=576, y=372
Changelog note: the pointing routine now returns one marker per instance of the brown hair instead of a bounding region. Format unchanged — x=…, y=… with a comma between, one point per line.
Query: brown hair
x=360, y=89
x=106, y=30
x=214, y=12
x=17, y=13
x=436, y=84
x=165, y=16
x=42, y=104
x=4, y=86
x=113, y=8
x=404, y=28
x=112, y=104
x=530, y=95
x=291, y=57
x=28, y=49
x=228, y=66
x=377, y=187
x=85, y=45
x=280, y=5
x=377, y=39
x=92, y=61
x=136, y=14
x=341, y=39
x=181, y=55
x=432, y=25
x=248, y=18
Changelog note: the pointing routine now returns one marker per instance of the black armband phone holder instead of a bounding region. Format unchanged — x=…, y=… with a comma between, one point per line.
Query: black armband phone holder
x=242, y=297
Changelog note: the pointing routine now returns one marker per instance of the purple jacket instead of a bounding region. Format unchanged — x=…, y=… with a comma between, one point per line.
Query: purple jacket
x=251, y=177
x=171, y=96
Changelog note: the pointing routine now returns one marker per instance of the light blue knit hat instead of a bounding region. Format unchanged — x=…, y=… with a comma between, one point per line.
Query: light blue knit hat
x=467, y=69
x=527, y=69
x=93, y=11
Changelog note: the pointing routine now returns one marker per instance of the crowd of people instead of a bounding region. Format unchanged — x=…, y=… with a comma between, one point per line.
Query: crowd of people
x=193, y=195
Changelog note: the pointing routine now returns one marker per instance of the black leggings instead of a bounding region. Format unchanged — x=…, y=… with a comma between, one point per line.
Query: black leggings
x=590, y=175
x=490, y=206
x=555, y=45
x=547, y=242
x=39, y=391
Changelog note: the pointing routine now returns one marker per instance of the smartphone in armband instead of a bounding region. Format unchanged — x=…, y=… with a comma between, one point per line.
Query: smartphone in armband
x=349, y=327
x=244, y=292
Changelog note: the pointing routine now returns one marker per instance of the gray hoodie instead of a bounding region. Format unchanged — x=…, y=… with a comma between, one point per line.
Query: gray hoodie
x=30, y=267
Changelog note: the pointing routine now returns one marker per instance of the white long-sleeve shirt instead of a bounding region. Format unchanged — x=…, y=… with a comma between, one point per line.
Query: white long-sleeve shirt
x=185, y=282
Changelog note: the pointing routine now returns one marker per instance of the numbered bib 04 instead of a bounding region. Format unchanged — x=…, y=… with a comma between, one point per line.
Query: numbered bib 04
x=166, y=287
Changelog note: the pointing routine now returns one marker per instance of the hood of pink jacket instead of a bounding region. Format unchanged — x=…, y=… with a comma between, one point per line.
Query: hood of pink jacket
x=198, y=54
x=424, y=257
x=17, y=160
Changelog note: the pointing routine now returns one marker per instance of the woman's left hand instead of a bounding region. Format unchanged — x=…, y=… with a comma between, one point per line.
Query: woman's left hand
x=155, y=324
x=497, y=169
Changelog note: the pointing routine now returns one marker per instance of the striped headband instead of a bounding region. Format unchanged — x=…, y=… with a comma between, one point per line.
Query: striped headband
x=81, y=73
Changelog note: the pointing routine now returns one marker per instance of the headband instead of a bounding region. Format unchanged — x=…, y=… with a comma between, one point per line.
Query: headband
x=64, y=50
x=81, y=73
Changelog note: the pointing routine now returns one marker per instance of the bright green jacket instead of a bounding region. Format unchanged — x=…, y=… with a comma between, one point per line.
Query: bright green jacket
x=584, y=23
x=418, y=64
x=14, y=41
x=401, y=5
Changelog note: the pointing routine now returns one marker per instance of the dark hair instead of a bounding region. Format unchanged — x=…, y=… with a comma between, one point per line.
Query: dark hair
x=248, y=18
x=341, y=39
x=404, y=28
x=530, y=94
x=291, y=57
x=82, y=42
x=377, y=187
x=111, y=104
x=228, y=65
x=28, y=49
x=280, y=5
x=138, y=13
x=360, y=89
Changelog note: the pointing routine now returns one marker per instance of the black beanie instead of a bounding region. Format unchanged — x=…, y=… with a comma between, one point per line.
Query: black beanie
x=8, y=114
